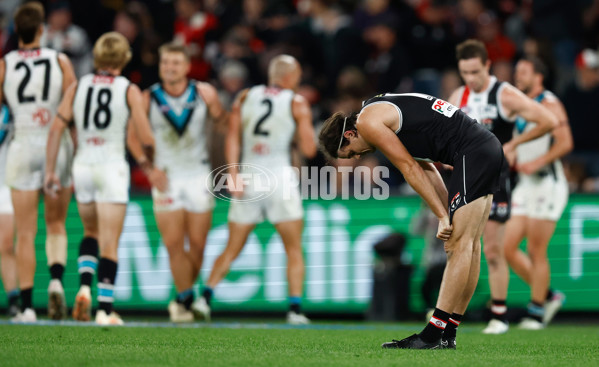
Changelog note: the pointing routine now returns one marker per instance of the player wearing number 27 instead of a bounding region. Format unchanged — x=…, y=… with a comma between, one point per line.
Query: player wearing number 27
x=33, y=79
x=104, y=109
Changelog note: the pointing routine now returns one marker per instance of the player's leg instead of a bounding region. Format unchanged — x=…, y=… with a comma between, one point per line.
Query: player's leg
x=111, y=217
x=516, y=258
x=171, y=225
x=449, y=335
x=291, y=234
x=493, y=242
x=87, y=263
x=8, y=260
x=539, y=233
x=197, y=227
x=238, y=234
x=55, y=213
x=25, y=204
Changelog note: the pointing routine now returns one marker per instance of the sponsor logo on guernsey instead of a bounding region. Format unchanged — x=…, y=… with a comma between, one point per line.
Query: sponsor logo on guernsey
x=443, y=107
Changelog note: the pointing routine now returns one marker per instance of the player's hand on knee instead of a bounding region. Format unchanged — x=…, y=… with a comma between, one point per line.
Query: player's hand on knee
x=51, y=184
x=445, y=229
x=158, y=179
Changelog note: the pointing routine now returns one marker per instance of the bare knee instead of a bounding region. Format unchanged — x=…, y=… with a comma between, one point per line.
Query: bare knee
x=493, y=253
x=458, y=246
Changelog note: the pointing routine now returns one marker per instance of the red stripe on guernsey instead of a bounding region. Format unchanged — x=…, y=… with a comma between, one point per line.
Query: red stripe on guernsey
x=465, y=95
x=438, y=323
x=456, y=323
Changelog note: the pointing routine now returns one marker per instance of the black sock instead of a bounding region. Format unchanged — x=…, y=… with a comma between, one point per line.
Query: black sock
x=207, y=294
x=88, y=260
x=536, y=311
x=549, y=294
x=186, y=298
x=13, y=297
x=435, y=326
x=295, y=304
x=106, y=277
x=452, y=326
x=499, y=310
x=26, y=298
x=56, y=271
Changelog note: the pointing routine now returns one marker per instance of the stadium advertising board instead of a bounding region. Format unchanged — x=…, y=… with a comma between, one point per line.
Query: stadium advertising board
x=338, y=240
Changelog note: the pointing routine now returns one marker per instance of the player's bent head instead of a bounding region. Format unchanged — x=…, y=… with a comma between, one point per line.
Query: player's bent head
x=331, y=135
x=285, y=71
x=471, y=49
x=29, y=19
x=111, y=51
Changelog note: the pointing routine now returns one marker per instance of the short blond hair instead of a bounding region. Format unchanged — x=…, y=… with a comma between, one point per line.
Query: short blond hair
x=111, y=51
x=175, y=48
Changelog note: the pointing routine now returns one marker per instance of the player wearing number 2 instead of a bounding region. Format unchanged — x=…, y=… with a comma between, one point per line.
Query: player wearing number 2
x=99, y=108
x=263, y=123
x=33, y=80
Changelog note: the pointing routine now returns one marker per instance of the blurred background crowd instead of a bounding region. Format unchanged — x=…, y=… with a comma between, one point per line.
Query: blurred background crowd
x=349, y=50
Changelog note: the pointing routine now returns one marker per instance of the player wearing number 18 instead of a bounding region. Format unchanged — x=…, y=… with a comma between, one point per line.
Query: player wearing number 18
x=33, y=80
x=99, y=108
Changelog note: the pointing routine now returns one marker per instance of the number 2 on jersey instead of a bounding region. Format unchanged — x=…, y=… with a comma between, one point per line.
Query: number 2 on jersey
x=102, y=114
x=257, y=129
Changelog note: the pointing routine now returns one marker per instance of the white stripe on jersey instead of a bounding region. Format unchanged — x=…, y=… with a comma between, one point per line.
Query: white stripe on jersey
x=101, y=114
x=32, y=89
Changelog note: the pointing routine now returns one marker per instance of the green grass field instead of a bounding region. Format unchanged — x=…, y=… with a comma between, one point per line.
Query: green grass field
x=322, y=344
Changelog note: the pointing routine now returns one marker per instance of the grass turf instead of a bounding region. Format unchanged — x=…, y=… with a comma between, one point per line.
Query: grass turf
x=23, y=345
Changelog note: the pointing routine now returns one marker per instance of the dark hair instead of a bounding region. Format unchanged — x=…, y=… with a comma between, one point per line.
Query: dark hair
x=538, y=65
x=28, y=19
x=471, y=49
x=330, y=134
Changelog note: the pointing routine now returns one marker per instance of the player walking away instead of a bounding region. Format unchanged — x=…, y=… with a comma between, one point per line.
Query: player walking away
x=179, y=109
x=98, y=108
x=34, y=79
x=262, y=126
x=539, y=198
x=8, y=261
x=412, y=131
x=495, y=105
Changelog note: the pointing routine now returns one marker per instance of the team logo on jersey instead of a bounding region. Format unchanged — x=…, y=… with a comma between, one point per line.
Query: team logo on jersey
x=501, y=209
x=453, y=205
x=41, y=116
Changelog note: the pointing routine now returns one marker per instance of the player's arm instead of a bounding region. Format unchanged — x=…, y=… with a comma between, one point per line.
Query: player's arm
x=374, y=130
x=302, y=114
x=518, y=104
x=435, y=177
x=2, y=71
x=455, y=97
x=233, y=140
x=68, y=72
x=215, y=107
x=62, y=120
x=140, y=140
x=563, y=142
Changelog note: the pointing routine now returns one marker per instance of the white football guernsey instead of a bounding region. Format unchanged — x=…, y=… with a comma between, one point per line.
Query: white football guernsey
x=101, y=113
x=268, y=127
x=180, y=127
x=32, y=89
